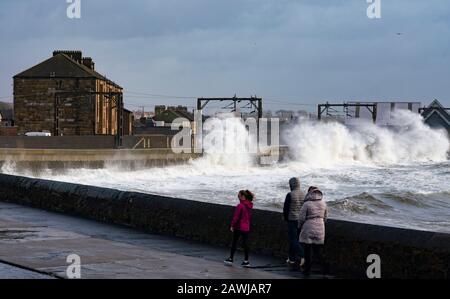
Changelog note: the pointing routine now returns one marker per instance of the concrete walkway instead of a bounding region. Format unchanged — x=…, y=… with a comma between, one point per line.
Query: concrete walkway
x=14, y=272
x=36, y=243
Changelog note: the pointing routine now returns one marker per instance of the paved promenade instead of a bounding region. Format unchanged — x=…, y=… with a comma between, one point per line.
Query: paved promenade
x=36, y=243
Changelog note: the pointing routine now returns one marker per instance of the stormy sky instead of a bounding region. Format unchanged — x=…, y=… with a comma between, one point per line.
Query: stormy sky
x=293, y=53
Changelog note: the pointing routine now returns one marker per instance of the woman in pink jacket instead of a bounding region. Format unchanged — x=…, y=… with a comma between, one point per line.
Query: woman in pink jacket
x=240, y=225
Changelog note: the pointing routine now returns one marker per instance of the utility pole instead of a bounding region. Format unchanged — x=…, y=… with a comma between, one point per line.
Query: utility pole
x=119, y=104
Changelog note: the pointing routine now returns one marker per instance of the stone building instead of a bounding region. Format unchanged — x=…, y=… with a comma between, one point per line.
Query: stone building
x=61, y=95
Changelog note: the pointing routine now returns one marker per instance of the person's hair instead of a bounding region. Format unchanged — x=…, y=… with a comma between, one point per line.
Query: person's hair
x=248, y=195
x=312, y=188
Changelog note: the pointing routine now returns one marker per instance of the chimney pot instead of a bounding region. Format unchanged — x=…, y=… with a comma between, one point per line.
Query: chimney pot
x=88, y=62
x=75, y=55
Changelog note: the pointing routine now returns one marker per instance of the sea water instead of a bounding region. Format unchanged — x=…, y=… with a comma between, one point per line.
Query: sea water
x=396, y=176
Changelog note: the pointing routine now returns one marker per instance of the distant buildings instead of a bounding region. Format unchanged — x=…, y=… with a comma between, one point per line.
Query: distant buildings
x=383, y=113
x=64, y=95
x=161, y=122
x=437, y=116
x=350, y=113
x=285, y=115
x=165, y=116
x=140, y=114
x=7, y=127
x=6, y=115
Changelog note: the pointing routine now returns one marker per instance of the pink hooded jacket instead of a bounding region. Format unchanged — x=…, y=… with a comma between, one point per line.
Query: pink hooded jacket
x=242, y=216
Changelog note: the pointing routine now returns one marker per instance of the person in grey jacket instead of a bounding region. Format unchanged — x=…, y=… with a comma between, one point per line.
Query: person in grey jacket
x=291, y=212
x=313, y=215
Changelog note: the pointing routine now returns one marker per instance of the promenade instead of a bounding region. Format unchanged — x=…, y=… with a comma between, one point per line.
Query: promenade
x=35, y=244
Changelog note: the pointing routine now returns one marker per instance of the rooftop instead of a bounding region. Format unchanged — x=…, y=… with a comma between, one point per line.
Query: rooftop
x=64, y=64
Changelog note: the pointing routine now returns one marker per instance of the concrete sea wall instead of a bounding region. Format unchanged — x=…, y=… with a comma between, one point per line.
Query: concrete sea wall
x=37, y=160
x=404, y=253
x=60, y=159
x=86, y=141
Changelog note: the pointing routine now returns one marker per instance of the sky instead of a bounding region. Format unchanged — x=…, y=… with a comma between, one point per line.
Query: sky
x=292, y=53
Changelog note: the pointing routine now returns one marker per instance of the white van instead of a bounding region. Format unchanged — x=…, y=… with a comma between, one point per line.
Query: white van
x=35, y=134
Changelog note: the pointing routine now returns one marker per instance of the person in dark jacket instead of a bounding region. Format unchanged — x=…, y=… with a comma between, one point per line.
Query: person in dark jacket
x=240, y=226
x=291, y=212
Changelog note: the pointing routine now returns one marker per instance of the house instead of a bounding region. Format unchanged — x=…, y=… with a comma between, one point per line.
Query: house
x=6, y=115
x=436, y=116
x=164, y=117
x=65, y=95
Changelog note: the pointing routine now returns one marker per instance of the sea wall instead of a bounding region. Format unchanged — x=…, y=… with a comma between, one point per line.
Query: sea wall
x=59, y=160
x=74, y=142
x=404, y=253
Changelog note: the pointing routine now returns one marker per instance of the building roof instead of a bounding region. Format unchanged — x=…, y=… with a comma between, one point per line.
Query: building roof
x=169, y=115
x=435, y=104
x=186, y=114
x=436, y=108
x=62, y=66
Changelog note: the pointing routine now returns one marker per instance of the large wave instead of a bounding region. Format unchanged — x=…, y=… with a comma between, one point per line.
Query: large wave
x=408, y=140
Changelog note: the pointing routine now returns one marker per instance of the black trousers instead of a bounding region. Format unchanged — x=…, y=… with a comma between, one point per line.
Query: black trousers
x=295, y=250
x=312, y=250
x=237, y=234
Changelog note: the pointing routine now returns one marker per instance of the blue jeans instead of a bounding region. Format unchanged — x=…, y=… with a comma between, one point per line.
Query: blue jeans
x=295, y=249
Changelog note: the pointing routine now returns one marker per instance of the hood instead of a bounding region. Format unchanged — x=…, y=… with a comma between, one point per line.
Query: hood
x=247, y=203
x=294, y=183
x=314, y=195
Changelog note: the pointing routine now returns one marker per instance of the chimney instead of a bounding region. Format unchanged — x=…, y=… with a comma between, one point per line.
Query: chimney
x=75, y=55
x=88, y=62
x=159, y=109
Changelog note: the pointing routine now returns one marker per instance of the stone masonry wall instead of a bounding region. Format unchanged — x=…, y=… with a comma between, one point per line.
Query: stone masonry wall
x=34, y=106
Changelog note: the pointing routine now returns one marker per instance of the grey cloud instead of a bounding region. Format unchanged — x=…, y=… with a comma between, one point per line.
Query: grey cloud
x=298, y=51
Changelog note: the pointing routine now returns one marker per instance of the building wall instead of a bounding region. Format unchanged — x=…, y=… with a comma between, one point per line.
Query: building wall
x=34, y=108
x=10, y=140
x=106, y=111
x=8, y=131
x=35, y=103
x=128, y=119
x=76, y=112
x=57, y=142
